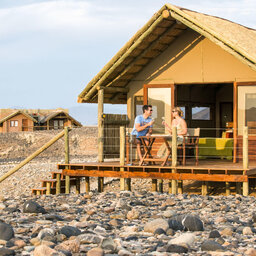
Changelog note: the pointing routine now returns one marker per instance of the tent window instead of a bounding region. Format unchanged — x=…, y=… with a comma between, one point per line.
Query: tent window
x=201, y=113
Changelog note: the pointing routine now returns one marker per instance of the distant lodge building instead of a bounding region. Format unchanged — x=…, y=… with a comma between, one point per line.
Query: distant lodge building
x=17, y=120
x=180, y=57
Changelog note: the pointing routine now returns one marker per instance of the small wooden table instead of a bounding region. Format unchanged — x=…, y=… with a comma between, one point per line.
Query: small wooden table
x=147, y=157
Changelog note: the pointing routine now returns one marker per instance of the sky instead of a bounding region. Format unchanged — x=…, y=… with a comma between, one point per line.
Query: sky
x=50, y=50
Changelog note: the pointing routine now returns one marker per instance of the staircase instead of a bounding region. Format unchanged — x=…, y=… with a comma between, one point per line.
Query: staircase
x=49, y=186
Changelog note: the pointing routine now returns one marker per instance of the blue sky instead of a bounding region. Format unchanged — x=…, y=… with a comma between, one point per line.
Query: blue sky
x=50, y=50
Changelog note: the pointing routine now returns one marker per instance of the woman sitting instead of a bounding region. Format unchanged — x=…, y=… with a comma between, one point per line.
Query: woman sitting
x=181, y=125
x=178, y=122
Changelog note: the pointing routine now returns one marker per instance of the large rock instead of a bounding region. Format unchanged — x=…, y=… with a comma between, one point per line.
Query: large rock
x=151, y=226
x=187, y=238
x=108, y=244
x=6, y=252
x=6, y=231
x=69, y=231
x=69, y=245
x=95, y=252
x=176, y=248
x=175, y=224
x=192, y=223
x=43, y=250
x=214, y=234
x=89, y=239
x=31, y=206
x=45, y=232
x=210, y=245
x=187, y=222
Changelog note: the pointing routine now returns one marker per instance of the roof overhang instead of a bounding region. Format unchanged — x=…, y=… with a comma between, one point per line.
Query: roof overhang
x=150, y=41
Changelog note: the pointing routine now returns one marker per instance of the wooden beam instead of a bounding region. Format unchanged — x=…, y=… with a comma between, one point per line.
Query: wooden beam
x=115, y=89
x=174, y=157
x=145, y=52
x=157, y=175
x=67, y=178
x=100, y=135
x=106, y=71
x=32, y=156
x=245, y=160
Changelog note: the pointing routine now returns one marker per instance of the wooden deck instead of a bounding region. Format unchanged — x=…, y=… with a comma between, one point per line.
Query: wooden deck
x=207, y=170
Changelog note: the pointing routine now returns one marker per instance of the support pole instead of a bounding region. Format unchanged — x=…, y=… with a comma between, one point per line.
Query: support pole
x=245, y=160
x=58, y=183
x=67, y=178
x=160, y=186
x=154, y=185
x=122, y=156
x=48, y=188
x=87, y=184
x=204, y=188
x=174, y=157
x=180, y=187
x=228, y=193
x=78, y=185
x=100, y=135
x=238, y=188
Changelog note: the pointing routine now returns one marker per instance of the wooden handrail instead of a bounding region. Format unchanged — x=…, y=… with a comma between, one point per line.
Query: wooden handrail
x=32, y=156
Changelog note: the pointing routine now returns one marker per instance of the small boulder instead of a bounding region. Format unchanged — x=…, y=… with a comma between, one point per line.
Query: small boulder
x=176, y=248
x=187, y=238
x=95, y=252
x=69, y=245
x=247, y=231
x=43, y=250
x=210, y=245
x=214, y=234
x=31, y=206
x=151, y=226
x=6, y=231
x=192, y=223
x=6, y=252
x=175, y=224
x=69, y=231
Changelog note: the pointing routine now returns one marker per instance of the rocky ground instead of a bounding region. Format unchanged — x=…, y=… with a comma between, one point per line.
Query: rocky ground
x=127, y=223
x=120, y=223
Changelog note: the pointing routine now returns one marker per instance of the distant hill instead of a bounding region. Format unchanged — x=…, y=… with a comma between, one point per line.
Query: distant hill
x=87, y=114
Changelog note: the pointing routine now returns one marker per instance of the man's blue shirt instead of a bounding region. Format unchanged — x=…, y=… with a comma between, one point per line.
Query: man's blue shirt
x=142, y=121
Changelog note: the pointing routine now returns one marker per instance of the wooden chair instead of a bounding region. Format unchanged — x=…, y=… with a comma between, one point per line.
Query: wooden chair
x=190, y=141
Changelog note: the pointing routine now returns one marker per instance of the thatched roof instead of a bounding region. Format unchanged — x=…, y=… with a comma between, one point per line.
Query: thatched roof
x=63, y=114
x=158, y=34
x=17, y=113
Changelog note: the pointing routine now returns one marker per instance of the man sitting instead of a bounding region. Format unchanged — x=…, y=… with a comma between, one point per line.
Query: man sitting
x=143, y=127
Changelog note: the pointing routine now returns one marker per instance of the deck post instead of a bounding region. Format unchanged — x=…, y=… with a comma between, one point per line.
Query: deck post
x=57, y=183
x=78, y=185
x=100, y=134
x=204, y=188
x=245, y=160
x=238, y=188
x=48, y=188
x=160, y=186
x=174, y=157
x=67, y=178
x=123, y=181
x=180, y=187
x=228, y=189
x=154, y=185
x=87, y=184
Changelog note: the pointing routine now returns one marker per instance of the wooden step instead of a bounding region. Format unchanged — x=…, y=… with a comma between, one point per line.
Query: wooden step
x=54, y=174
x=39, y=191
x=45, y=181
x=53, y=182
